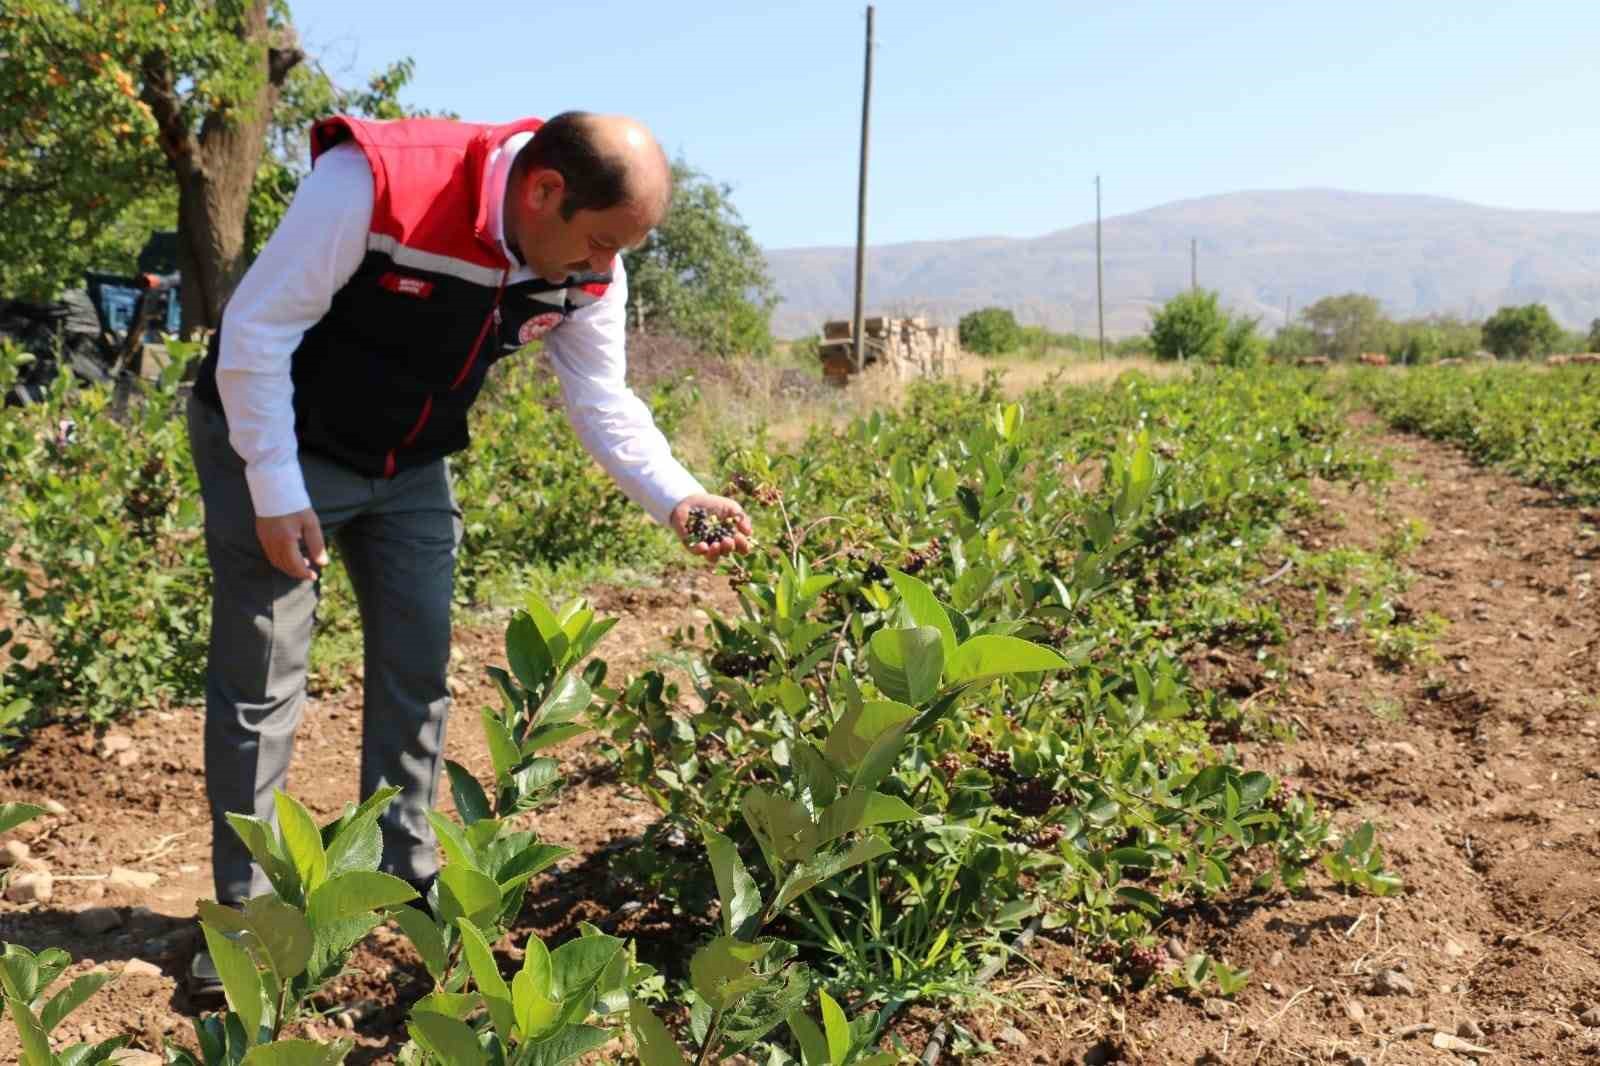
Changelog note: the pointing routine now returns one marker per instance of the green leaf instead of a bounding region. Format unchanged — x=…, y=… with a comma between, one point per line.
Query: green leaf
x=807, y=875
x=858, y=728
x=1141, y=899
x=282, y=933
x=14, y=814
x=906, y=663
x=537, y=1012
x=527, y=652
x=35, y=1044
x=464, y=892
x=452, y=1042
x=994, y=656
x=813, y=1045
x=859, y=809
x=359, y=845
x=530, y=862
x=575, y=969
x=656, y=1046
x=424, y=937
x=457, y=1005
x=721, y=971
x=566, y=701
x=781, y=825
x=566, y=1045
x=303, y=841
x=354, y=893
x=1253, y=787
x=70, y=998
x=837, y=1028
x=458, y=850
x=333, y=942
x=262, y=843
x=1132, y=857
x=741, y=899
x=298, y=1053
x=924, y=608
x=548, y=736
x=240, y=981
x=502, y=749
x=492, y=986
x=471, y=803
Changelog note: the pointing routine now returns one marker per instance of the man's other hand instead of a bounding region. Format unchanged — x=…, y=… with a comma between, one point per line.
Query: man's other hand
x=293, y=543
x=717, y=507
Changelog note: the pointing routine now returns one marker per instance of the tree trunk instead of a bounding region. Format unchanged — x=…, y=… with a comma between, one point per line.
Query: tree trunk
x=216, y=169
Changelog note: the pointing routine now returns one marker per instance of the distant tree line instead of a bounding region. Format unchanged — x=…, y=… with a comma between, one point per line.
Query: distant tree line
x=1193, y=325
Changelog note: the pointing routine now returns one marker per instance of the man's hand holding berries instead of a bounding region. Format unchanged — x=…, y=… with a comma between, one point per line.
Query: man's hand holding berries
x=712, y=526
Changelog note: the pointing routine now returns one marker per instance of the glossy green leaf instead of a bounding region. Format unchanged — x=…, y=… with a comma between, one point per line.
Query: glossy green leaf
x=906, y=663
x=302, y=841
x=298, y=1053
x=14, y=814
x=424, y=936
x=568, y=1044
x=655, y=1043
x=837, y=1028
x=464, y=892
x=925, y=608
x=282, y=932
x=721, y=971
x=452, y=1042
x=486, y=974
x=994, y=656
x=741, y=898
x=526, y=651
x=356, y=893
x=471, y=803
x=858, y=728
x=240, y=981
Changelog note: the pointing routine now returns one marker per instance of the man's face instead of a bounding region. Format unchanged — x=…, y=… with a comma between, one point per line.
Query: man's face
x=555, y=247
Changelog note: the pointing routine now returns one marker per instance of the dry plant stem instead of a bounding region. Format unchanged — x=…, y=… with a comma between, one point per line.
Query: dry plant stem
x=935, y=1048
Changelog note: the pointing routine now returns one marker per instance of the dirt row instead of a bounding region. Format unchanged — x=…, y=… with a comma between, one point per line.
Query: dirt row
x=1482, y=771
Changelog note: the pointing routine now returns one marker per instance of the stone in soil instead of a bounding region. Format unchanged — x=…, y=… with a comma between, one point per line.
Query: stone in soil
x=97, y=920
x=1392, y=983
x=1469, y=1030
x=140, y=968
x=1014, y=1036
x=139, y=880
x=54, y=806
x=1591, y=1017
x=14, y=853
x=30, y=886
x=115, y=742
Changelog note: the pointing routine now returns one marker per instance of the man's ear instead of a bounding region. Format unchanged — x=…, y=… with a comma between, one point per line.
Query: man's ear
x=544, y=189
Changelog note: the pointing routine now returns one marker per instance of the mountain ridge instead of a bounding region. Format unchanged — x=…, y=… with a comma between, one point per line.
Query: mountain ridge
x=1418, y=254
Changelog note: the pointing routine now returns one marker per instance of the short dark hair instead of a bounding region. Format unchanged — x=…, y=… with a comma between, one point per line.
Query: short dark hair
x=566, y=144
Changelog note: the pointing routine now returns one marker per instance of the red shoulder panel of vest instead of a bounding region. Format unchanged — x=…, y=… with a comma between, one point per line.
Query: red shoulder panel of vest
x=427, y=179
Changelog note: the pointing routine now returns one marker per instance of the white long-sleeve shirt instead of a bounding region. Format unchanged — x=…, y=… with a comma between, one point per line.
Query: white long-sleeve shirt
x=317, y=248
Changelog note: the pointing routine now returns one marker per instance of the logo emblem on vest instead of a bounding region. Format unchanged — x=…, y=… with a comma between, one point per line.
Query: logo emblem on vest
x=538, y=326
x=407, y=286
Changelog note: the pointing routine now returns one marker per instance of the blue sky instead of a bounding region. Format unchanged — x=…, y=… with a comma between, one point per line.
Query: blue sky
x=992, y=121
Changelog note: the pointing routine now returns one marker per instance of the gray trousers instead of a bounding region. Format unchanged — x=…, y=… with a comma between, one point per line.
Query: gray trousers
x=397, y=538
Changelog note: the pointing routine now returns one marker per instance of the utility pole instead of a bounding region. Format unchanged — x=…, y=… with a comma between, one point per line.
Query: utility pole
x=1194, y=264
x=857, y=325
x=1099, y=280
x=1287, y=317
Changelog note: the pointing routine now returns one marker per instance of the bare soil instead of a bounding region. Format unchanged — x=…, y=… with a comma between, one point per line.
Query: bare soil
x=1482, y=770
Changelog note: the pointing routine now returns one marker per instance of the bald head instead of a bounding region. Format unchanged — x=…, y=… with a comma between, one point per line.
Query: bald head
x=605, y=161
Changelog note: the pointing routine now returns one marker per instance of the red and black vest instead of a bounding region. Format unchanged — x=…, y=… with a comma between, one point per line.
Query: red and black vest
x=384, y=380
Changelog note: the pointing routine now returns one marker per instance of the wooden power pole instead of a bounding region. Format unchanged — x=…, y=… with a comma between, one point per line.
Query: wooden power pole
x=857, y=324
x=1099, y=278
